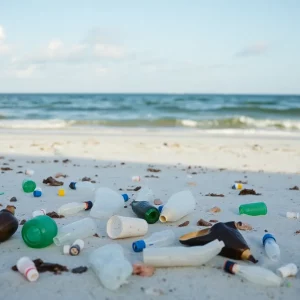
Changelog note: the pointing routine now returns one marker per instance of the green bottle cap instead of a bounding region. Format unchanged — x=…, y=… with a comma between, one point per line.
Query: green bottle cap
x=152, y=215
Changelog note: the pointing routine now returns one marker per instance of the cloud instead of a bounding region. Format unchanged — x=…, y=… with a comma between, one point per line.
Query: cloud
x=2, y=34
x=256, y=49
x=4, y=48
x=109, y=51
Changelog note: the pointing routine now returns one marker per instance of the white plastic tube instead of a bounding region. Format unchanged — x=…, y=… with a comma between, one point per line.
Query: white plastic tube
x=182, y=256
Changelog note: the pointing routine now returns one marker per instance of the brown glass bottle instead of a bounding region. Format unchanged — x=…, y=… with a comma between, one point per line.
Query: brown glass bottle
x=8, y=223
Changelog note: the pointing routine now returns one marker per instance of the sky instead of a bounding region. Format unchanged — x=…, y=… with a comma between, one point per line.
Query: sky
x=157, y=46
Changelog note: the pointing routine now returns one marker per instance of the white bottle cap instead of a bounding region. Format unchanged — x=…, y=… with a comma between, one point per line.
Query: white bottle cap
x=80, y=243
x=292, y=215
x=39, y=212
x=288, y=270
x=66, y=249
x=29, y=172
x=27, y=267
x=38, y=189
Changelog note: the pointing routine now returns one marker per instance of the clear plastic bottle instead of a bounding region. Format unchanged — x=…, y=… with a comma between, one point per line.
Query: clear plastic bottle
x=77, y=230
x=156, y=240
x=111, y=266
x=271, y=247
x=256, y=275
x=74, y=208
x=107, y=203
x=82, y=186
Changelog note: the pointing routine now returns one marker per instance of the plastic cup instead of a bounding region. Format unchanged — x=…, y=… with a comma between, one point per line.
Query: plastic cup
x=287, y=270
x=123, y=227
x=27, y=267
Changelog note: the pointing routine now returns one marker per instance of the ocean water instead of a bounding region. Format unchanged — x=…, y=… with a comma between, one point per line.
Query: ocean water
x=40, y=111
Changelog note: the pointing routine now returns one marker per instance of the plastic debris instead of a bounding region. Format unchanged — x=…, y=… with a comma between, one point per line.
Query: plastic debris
x=52, y=182
x=248, y=192
x=143, y=270
x=27, y=268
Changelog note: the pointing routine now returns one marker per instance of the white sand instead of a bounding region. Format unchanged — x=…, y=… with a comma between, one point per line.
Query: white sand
x=270, y=164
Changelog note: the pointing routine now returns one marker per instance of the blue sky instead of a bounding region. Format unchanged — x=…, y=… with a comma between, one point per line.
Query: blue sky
x=195, y=46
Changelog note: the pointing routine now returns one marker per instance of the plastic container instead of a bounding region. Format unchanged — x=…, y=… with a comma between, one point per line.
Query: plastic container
x=82, y=186
x=37, y=192
x=145, y=194
x=39, y=232
x=146, y=211
x=39, y=212
x=292, y=215
x=111, y=266
x=27, y=268
x=8, y=223
x=253, y=209
x=156, y=240
x=182, y=256
x=136, y=178
x=28, y=185
x=271, y=247
x=253, y=274
x=287, y=270
x=237, y=186
x=74, y=208
x=77, y=230
x=178, y=206
x=107, y=203
x=123, y=227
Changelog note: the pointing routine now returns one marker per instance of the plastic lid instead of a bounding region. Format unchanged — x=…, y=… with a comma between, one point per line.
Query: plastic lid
x=66, y=249
x=138, y=246
x=125, y=197
x=32, y=274
x=152, y=215
x=37, y=193
x=89, y=205
x=72, y=185
x=160, y=208
x=267, y=236
x=228, y=267
x=74, y=250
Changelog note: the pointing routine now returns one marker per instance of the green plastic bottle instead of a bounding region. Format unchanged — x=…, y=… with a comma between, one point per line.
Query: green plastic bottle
x=28, y=185
x=146, y=211
x=253, y=209
x=39, y=232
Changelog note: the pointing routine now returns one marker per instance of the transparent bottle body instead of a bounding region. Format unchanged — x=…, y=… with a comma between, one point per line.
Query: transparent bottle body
x=77, y=230
x=71, y=208
x=272, y=249
x=110, y=265
x=107, y=203
x=160, y=239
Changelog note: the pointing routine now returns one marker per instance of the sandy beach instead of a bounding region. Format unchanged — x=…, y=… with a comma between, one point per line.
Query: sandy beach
x=202, y=161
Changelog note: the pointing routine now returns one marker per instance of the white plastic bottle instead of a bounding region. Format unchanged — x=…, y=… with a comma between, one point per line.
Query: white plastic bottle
x=145, y=194
x=74, y=208
x=107, y=203
x=27, y=267
x=77, y=230
x=178, y=206
x=256, y=275
x=182, y=256
x=82, y=186
x=156, y=240
x=111, y=266
x=271, y=247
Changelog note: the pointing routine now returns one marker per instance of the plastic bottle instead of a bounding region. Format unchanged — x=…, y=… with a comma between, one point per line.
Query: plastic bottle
x=82, y=186
x=39, y=232
x=156, y=240
x=107, y=203
x=74, y=249
x=77, y=230
x=178, y=206
x=8, y=223
x=27, y=268
x=271, y=247
x=146, y=211
x=37, y=192
x=111, y=266
x=39, y=212
x=145, y=194
x=237, y=186
x=182, y=256
x=253, y=209
x=74, y=208
x=256, y=275
x=292, y=215
x=28, y=185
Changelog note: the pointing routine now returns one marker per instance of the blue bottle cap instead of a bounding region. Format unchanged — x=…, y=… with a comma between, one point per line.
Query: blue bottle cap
x=37, y=193
x=125, y=197
x=72, y=185
x=228, y=266
x=233, y=187
x=160, y=208
x=89, y=205
x=267, y=236
x=138, y=246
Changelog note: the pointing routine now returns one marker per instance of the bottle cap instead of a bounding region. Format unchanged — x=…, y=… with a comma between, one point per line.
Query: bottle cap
x=267, y=236
x=74, y=250
x=287, y=270
x=32, y=274
x=89, y=205
x=138, y=246
x=125, y=197
x=228, y=267
x=37, y=193
x=80, y=243
x=160, y=208
x=72, y=185
x=66, y=249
